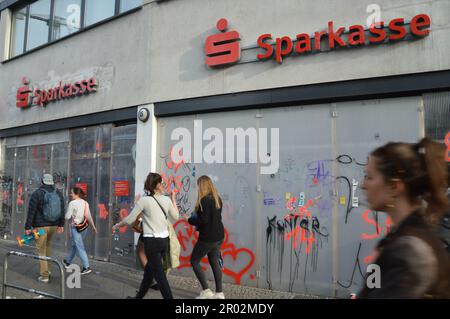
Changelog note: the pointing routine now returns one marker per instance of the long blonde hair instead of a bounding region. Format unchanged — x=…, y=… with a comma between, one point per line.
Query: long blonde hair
x=206, y=187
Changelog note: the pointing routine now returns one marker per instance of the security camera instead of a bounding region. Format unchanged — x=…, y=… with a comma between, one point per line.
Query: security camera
x=143, y=115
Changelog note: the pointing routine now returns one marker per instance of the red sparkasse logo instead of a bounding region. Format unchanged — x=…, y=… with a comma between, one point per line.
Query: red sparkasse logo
x=28, y=97
x=395, y=30
x=223, y=48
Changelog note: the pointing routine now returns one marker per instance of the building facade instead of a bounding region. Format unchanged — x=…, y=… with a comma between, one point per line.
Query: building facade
x=99, y=93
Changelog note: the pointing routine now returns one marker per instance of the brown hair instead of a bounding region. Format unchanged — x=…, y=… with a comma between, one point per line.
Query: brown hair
x=153, y=179
x=205, y=188
x=421, y=167
x=79, y=192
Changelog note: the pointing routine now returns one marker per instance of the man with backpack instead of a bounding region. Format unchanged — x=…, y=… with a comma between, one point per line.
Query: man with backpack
x=46, y=212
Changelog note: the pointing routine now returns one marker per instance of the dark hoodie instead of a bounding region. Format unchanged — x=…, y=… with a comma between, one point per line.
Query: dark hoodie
x=35, y=216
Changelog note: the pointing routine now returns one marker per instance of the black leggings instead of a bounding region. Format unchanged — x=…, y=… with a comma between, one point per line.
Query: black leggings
x=155, y=249
x=213, y=251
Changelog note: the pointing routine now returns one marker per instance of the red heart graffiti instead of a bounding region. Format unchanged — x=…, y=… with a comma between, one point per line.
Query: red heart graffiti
x=235, y=254
x=188, y=236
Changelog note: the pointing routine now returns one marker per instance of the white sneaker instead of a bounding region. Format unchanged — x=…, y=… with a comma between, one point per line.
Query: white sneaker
x=43, y=279
x=206, y=294
x=66, y=264
x=219, y=295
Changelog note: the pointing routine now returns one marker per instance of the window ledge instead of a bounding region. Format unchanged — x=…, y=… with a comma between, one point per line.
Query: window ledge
x=88, y=28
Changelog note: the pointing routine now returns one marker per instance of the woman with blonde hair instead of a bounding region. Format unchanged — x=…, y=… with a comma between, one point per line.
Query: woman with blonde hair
x=211, y=236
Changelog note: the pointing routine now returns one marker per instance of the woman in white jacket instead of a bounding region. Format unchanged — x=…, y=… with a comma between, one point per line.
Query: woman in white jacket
x=79, y=212
x=156, y=209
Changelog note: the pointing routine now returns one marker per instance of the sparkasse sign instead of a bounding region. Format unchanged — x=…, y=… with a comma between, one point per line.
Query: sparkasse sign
x=224, y=48
x=27, y=96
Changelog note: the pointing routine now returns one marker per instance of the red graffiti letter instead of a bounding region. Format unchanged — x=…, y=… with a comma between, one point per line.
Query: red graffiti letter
x=370, y=222
x=102, y=211
x=123, y=214
x=310, y=240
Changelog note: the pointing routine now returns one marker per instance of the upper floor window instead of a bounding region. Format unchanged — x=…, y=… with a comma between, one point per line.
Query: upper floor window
x=44, y=21
x=99, y=10
x=66, y=18
x=38, y=24
x=18, y=27
x=126, y=5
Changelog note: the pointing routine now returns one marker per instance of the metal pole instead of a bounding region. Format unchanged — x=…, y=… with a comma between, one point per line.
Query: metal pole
x=20, y=254
x=63, y=281
x=5, y=267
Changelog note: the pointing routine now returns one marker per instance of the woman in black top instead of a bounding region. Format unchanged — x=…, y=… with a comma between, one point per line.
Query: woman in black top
x=412, y=260
x=211, y=236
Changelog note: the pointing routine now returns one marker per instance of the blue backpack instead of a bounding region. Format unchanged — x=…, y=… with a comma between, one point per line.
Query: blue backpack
x=52, y=206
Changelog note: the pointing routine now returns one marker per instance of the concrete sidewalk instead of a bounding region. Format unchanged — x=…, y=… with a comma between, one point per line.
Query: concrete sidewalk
x=112, y=281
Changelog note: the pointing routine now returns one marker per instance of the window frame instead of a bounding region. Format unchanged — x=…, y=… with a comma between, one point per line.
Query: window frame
x=27, y=25
x=83, y=27
x=13, y=29
x=25, y=32
x=83, y=12
x=52, y=13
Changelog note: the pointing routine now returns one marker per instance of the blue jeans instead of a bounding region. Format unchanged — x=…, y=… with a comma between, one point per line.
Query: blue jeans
x=78, y=247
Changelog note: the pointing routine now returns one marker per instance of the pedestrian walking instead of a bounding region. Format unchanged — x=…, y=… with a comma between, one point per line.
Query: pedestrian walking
x=80, y=215
x=400, y=178
x=45, y=212
x=140, y=250
x=208, y=220
x=137, y=227
x=156, y=209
